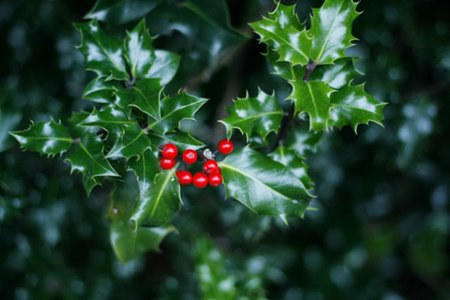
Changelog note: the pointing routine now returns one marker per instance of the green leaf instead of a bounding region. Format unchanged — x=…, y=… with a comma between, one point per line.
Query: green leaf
x=8, y=120
x=352, y=106
x=294, y=163
x=100, y=91
x=164, y=67
x=144, y=60
x=179, y=138
x=337, y=75
x=173, y=110
x=128, y=242
x=139, y=51
x=102, y=53
x=261, y=114
x=160, y=203
x=121, y=11
x=303, y=141
x=89, y=183
x=282, y=31
x=110, y=118
x=312, y=98
x=133, y=142
x=144, y=95
x=263, y=185
x=331, y=30
x=48, y=138
x=86, y=156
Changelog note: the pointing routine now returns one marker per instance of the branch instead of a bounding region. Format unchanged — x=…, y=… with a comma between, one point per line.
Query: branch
x=289, y=116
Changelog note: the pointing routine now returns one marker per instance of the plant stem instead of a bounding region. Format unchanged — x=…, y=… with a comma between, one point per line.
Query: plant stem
x=289, y=116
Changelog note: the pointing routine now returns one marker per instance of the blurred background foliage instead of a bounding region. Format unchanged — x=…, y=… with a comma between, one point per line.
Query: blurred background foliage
x=381, y=228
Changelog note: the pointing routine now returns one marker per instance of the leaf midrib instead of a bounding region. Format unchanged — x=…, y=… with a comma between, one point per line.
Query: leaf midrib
x=172, y=112
x=161, y=190
x=259, y=115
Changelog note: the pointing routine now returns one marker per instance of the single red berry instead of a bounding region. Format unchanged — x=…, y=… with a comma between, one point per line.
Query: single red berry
x=200, y=180
x=226, y=147
x=211, y=166
x=215, y=179
x=184, y=177
x=169, y=151
x=190, y=156
x=166, y=163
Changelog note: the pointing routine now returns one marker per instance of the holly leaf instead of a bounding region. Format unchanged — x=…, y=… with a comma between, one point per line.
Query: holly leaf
x=282, y=31
x=173, y=110
x=294, y=163
x=313, y=98
x=331, y=30
x=164, y=67
x=179, y=138
x=263, y=185
x=261, y=114
x=89, y=183
x=144, y=60
x=144, y=95
x=161, y=201
x=337, y=75
x=132, y=142
x=100, y=91
x=110, y=118
x=8, y=120
x=352, y=106
x=121, y=11
x=87, y=157
x=139, y=51
x=128, y=242
x=50, y=138
x=102, y=53
x=303, y=141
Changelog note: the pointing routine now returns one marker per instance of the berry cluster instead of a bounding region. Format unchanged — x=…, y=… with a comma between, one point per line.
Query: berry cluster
x=211, y=171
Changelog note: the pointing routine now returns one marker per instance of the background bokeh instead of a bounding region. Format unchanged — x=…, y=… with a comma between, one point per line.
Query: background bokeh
x=381, y=228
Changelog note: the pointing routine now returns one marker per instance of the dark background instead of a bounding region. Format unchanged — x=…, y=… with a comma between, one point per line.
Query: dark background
x=381, y=229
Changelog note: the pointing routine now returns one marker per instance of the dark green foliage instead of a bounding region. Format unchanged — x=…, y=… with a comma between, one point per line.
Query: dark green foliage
x=377, y=229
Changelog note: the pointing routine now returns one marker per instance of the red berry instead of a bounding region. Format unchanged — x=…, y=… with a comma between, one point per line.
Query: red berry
x=169, y=151
x=190, y=156
x=200, y=180
x=215, y=179
x=226, y=147
x=166, y=163
x=211, y=166
x=184, y=177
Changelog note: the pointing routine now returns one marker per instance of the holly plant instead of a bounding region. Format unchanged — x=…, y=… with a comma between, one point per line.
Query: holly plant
x=132, y=137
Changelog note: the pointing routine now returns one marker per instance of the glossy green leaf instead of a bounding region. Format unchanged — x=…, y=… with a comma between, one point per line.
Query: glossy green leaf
x=89, y=183
x=263, y=185
x=160, y=203
x=48, y=138
x=133, y=142
x=331, y=30
x=283, y=32
x=144, y=95
x=8, y=120
x=294, y=163
x=261, y=115
x=303, y=141
x=86, y=156
x=352, y=106
x=129, y=242
x=102, y=53
x=179, y=138
x=312, y=98
x=139, y=50
x=110, y=118
x=121, y=11
x=337, y=75
x=100, y=91
x=173, y=110
x=164, y=67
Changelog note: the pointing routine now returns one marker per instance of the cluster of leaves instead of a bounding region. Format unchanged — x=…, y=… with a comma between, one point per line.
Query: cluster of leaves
x=134, y=116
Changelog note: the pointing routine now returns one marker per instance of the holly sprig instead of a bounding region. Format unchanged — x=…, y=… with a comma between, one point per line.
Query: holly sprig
x=133, y=117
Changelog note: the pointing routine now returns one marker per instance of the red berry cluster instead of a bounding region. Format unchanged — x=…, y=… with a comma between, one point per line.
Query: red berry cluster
x=211, y=171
